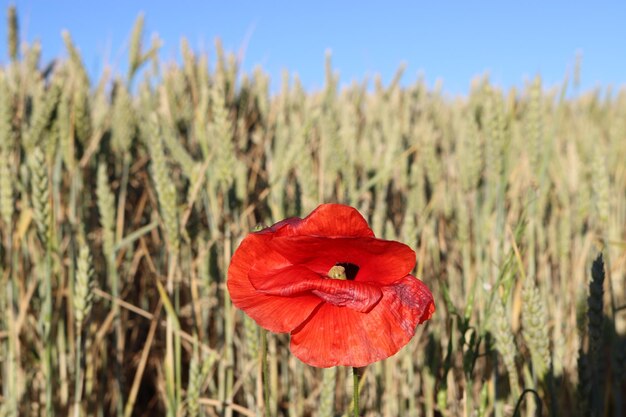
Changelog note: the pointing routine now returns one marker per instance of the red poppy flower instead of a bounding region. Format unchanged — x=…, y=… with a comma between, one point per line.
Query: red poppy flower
x=346, y=297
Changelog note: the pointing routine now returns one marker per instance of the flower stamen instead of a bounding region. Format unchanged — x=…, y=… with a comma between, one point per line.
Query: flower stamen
x=343, y=271
x=337, y=272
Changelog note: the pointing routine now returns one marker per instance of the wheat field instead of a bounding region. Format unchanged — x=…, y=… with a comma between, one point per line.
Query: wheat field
x=123, y=198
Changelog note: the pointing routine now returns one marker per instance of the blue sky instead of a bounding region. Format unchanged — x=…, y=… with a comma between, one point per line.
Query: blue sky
x=450, y=41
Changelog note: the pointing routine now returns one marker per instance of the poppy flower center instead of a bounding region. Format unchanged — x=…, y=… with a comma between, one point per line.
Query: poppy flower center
x=343, y=271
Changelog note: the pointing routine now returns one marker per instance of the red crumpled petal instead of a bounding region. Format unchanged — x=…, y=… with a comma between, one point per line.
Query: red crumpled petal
x=339, y=336
x=330, y=220
x=274, y=313
x=380, y=261
x=296, y=280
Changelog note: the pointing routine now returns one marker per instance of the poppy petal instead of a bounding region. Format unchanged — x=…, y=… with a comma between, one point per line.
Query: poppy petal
x=274, y=313
x=331, y=220
x=381, y=261
x=338, y=336
x=297, y=280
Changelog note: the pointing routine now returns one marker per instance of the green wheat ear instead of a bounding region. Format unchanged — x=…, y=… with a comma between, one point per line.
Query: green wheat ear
x=251, y=331
x=7, y=135
x=505, y=343
x=166, y=191
x=123, y=123
x=6, y=189
x=200, y=366
x=106, y=209
x=535, y=328
x=221, y=131
x=45, y=102
x=195, y=382
x=64, y=129
x=327, y=395
x=135, y=57
x=83, y=287
x=40, y=194
x=600, y=189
